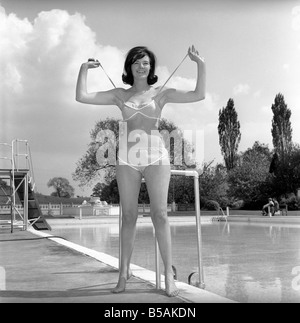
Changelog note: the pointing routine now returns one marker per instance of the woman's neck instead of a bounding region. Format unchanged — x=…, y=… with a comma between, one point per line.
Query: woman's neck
x=142, y=86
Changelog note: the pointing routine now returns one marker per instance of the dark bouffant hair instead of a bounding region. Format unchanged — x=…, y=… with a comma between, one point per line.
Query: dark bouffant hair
x=133, y=55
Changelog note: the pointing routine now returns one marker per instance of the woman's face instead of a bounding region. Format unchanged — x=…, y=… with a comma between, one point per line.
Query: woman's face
x=141, y=68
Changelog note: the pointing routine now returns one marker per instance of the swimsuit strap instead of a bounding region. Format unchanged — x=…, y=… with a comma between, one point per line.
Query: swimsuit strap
x=107, y=76
x=172, y=73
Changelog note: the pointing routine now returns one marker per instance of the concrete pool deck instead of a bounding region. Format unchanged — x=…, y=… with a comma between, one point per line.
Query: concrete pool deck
x=36, y=267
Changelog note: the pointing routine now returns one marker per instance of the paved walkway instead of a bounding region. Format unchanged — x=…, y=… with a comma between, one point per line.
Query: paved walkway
x=37, y=269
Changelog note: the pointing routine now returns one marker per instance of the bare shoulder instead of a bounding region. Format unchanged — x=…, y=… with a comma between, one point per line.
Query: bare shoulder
x=161, y=94
x=120, y=95
x=118, y=91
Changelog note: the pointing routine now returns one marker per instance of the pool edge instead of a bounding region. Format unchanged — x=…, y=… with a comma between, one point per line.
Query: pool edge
x=188, y=293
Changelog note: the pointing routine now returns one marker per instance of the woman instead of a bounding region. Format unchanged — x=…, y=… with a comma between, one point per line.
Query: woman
x=141, y=106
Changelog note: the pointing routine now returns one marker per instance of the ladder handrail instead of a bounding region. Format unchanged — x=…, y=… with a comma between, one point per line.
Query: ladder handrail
x=16, y=159
x=28, y=159
x=31, y=178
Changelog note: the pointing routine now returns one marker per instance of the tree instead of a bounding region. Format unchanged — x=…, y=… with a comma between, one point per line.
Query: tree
x=285, y=164
x=213, y=184
x=281, y=127
x=107, y=192
x=88, y=169
x=250, y=180
x=181, y=190
x=178, y=146
x=229, y=134
x=286, y=172
x=62, y=187
x=105, y=137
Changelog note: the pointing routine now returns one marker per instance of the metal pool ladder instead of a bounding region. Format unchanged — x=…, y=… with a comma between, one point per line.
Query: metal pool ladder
x=19, y=172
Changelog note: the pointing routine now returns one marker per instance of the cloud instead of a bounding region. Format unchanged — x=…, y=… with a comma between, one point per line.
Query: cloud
x=286, y=67
x=44, y=56
x=257, y=94
x=194, y=115
x=296, y=18
x=241, y=89
x=267, y=112
x=40, y=60
x=256, y=131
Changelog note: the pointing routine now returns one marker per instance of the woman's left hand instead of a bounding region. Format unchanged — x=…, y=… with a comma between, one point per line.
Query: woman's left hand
x=194, y=54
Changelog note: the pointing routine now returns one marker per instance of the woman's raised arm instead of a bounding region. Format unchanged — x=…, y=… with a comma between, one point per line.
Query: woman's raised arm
x=97, y=98
x=179, y=96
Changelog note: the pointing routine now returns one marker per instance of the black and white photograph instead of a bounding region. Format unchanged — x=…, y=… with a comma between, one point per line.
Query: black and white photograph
x=150, y=154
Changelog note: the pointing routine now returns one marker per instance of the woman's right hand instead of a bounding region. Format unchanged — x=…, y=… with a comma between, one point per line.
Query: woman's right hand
x=194, y=54
x=92, y=63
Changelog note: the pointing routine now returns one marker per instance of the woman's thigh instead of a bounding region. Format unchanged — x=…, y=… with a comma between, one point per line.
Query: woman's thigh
x=157, y=178
x=129, y=184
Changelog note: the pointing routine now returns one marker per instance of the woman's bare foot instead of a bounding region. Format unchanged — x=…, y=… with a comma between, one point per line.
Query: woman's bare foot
x=121, y=286
x=171, y=289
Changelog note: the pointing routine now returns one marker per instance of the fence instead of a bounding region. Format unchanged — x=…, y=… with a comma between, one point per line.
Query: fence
x=47, y=209
x=58, y=209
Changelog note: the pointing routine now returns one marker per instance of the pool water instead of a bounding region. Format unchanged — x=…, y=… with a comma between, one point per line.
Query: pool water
x=244, y=262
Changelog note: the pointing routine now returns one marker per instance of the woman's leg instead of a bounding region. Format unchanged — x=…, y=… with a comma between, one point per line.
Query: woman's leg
x=129, y=183
x=157, y=179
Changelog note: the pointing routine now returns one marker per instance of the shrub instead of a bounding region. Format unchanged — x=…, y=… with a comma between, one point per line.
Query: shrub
x=291, y=201
x=236, y=205
x=212, y=205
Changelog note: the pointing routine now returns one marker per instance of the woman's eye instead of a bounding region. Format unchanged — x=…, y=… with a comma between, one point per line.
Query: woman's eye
x=142, y=63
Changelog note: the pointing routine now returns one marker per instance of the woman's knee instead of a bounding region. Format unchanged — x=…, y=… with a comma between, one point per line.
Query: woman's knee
x=160, y=217
x=129, y=218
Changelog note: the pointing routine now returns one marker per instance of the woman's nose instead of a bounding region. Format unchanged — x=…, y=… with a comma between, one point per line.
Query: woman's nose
x=142, y=65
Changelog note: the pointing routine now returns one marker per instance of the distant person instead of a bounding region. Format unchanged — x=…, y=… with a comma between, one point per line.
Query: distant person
x=266, y=207
x=276, y=206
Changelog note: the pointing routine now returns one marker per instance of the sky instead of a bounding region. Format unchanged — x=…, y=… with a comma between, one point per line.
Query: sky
x=251, y=50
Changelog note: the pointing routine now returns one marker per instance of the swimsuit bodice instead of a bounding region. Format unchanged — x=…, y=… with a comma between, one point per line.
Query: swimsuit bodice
x=150, y=110
x=143, y=116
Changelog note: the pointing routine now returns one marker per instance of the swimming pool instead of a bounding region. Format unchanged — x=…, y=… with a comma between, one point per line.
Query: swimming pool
x=245, y=262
